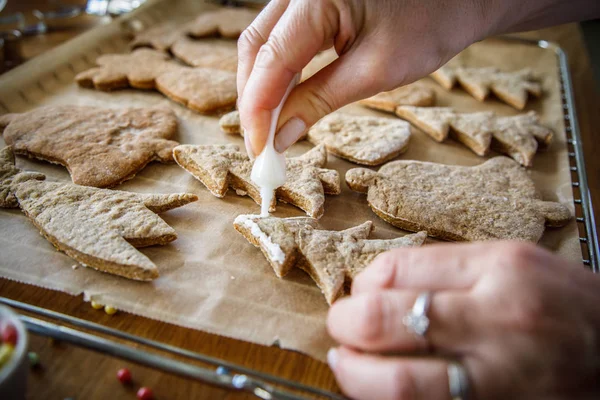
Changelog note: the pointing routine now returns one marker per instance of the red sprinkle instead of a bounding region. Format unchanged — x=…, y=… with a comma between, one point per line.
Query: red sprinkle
x=124, y=375
x=9, y=335
x=145, y=394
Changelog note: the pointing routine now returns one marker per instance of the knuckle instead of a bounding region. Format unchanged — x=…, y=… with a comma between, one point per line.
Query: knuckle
x=250, y=38
x=520, y=254
x=529, y=314
x=320, y=102
x=269, y=53
x=369, y=321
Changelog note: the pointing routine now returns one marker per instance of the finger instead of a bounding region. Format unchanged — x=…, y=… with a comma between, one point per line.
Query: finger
x=298, y=35
x=351, y=77
x=364, y=376
x=254, y=36
x=374, y=322
x=437, y=267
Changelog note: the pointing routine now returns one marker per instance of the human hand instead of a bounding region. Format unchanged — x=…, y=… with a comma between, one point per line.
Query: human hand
x=523, y=322
x=382, y=45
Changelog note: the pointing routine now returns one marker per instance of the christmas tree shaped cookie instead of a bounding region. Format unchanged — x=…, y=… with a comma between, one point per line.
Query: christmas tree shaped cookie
x=331, y=258
x=219, y=167
x=99, y=228
x=517, y=136
x=100, y=147
x=410, y=95
x=514, y=88
x=494, y=200
x=205, y=90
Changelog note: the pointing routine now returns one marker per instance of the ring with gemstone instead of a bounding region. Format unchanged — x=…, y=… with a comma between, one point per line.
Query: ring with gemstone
x=416, y=320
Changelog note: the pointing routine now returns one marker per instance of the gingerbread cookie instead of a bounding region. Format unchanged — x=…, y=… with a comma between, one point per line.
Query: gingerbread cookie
x=516, y=136
x=100, y=147
x=513, y=88
x=275, y=237
x=331, y=258
x=362, y=140
x=494, y=200
x=204, y=90
x=230, y=123
x=208, y=53
x=10, y=177
x=409, y=95
x=220, y=166
x=97, y=227
x=225, y=22
x=474, y=130
x=160, y=37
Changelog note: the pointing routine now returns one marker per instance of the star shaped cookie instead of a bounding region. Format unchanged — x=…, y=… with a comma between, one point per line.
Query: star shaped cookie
x=219, y=167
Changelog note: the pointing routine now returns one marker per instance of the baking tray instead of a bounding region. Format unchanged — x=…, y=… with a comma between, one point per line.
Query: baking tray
x=221, y=372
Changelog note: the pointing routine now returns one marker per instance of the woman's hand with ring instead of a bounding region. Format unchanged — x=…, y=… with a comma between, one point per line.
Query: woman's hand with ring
x=522, y=321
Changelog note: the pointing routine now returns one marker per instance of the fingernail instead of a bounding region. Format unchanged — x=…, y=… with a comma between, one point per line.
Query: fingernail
x=248, y=145
x=289, y=133
x=332, y=357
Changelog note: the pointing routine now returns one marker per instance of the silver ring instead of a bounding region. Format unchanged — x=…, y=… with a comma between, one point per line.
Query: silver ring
x=458, y=381
x=416, y=320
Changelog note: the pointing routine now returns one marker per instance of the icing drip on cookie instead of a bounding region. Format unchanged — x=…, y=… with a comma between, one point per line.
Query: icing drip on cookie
x=268, y=171
x=273, y=249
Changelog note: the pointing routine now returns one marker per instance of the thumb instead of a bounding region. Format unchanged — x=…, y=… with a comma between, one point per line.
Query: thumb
x=351, y=77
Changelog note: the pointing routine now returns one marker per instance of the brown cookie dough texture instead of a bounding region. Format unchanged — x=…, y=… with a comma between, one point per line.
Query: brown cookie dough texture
x=331, y=258
x=494, y=200
x=204, y=90
x=410, y=95
x=224, y=22
x=208, y=53
x=361, y=139
x=99, y=228
x=100, y=147
x=11, y=177
x=513, y=88
x=519, y=136
x=230, y=123
x=219, y=167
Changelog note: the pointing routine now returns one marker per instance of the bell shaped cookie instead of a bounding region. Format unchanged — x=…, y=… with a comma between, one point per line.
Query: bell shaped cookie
x=100, y=147
x=99, y=228
x=219, y=167
x=494, y=200
x=331, y=258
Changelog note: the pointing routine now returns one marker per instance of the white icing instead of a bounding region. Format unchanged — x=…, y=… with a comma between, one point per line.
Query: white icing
x=273, y=249
x=268, y=171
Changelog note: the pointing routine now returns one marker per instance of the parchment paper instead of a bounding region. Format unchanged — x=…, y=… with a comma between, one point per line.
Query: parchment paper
x=211, y=278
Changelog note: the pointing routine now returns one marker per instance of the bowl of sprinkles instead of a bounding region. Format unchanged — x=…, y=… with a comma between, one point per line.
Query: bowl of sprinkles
x=13, y=355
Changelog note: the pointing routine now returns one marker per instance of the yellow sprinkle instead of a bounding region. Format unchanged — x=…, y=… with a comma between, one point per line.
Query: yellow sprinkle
x=110, y=310
x=96, y=305
x=6, y=351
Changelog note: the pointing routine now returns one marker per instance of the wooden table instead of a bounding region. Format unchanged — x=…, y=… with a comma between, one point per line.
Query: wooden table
x=70, y=372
